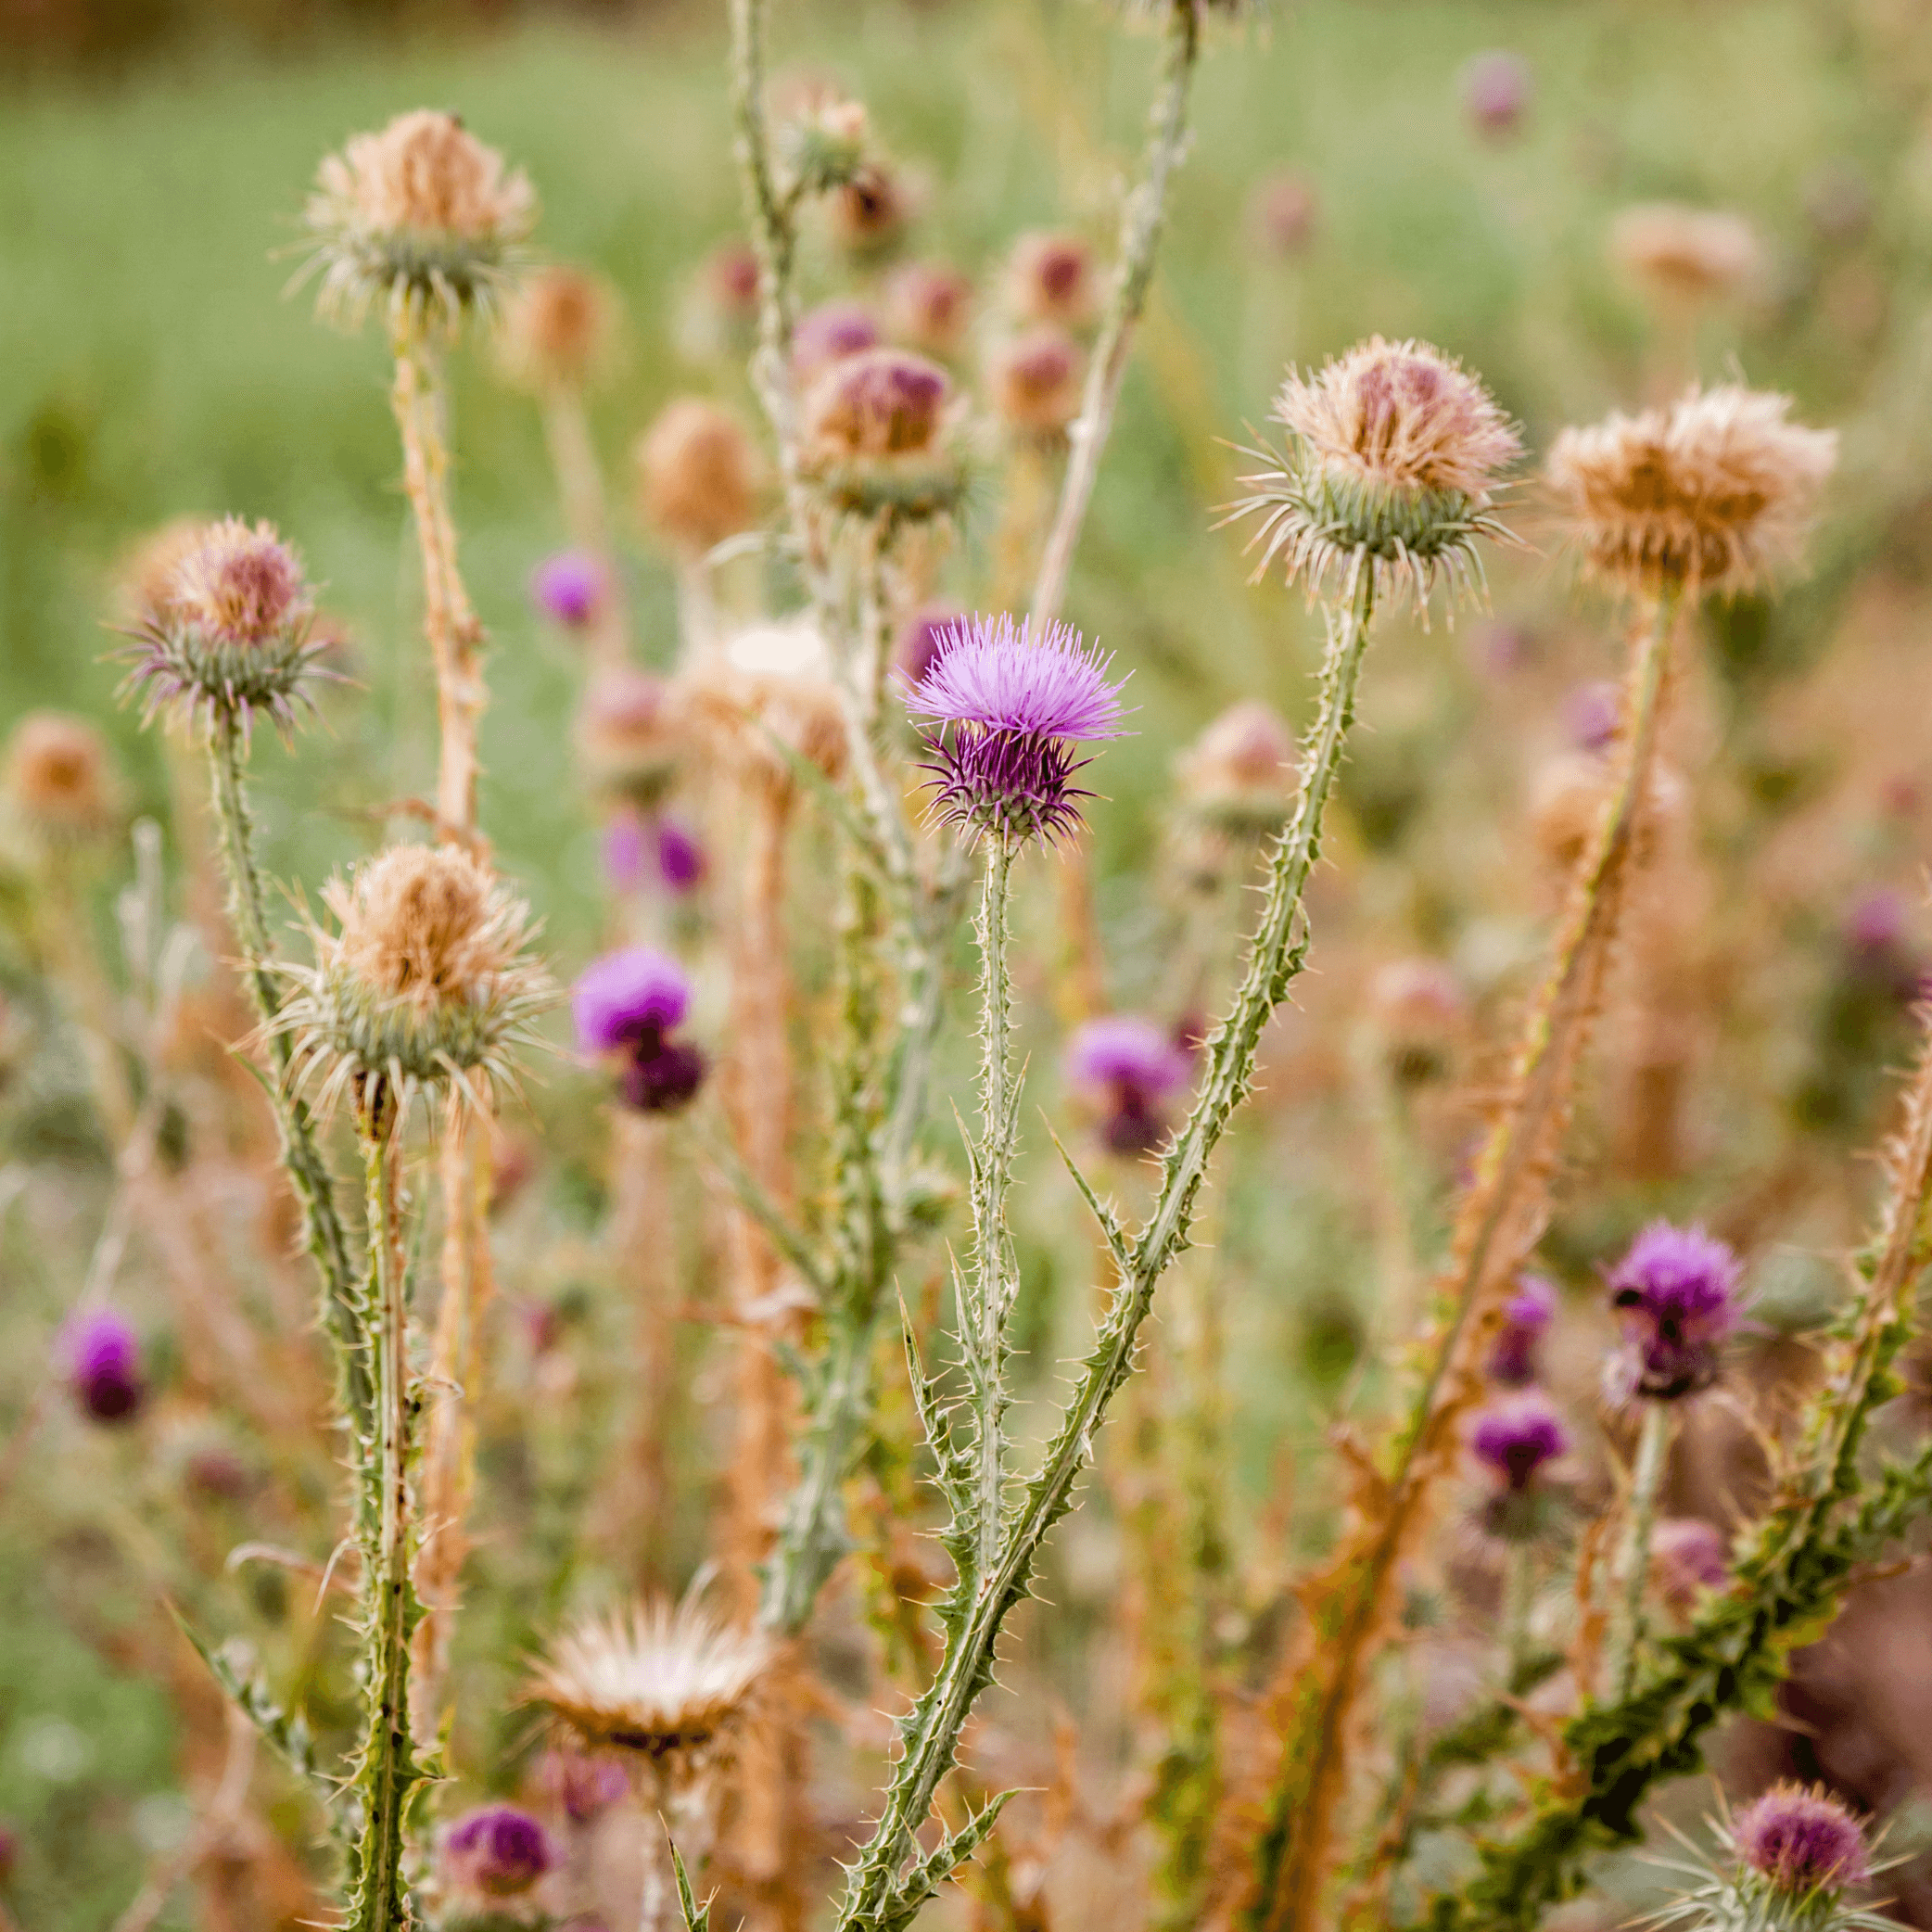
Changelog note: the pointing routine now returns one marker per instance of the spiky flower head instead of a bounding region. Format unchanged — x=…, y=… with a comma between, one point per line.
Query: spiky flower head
x=1801, y=1840
x=823, y=146
x=626, y=1006
x=1395, y=453
x=419, y=221
x=929, y=305
x=1688, y=1557
x=1715, y=493
x=427, y=984
x=1685, y=256
x=101, y=1363
x=1515, y=1440
x=1239, y=774
x=1675, y=1294
x=631, y=730
x=495, y=1851
x=672, y=1687
x=697, y=471
x=1050, y=278
x=1034, y=382
x=233, y=636
x=1132, y=1068
x=1526, y=1316
x=1012, y=710
x=60, y=779
x=878, y=442
x=557, y=330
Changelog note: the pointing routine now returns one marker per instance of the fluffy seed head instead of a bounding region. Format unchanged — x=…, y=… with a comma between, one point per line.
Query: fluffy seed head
x=495, y=1851
x=1050, y=278
x=1801, y=1840
x=58, y=778
x=1684, y=257
x=1526, y=1314
x=102, y=1358
x=1688, y=1555
x=928, y=305
x=1395, y=454
x=673, y=1687
x=697, y=475
x=1675, y=1295
x=1034, y=381
x=426, y=983
x=557, y=330
x=1715, y=493
x=421, y=220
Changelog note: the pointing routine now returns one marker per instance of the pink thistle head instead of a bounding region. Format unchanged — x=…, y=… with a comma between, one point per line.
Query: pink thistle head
x=584, y=1786
x=1802, y=1840
x=1051, y=279
x=1282, y=212
x=1526, y=1314
x=570, y=588
x=918, y=643
x=1133, y=1067
x=830, y=332
x=496, y=1852
x=102, y=1364
x=1676, y=1294
x=1592, y=714
x=1036, y=381
x=1515, y=1438
x=878, y=402
x=929, y=304
x=627, y=994
x=1496, y=93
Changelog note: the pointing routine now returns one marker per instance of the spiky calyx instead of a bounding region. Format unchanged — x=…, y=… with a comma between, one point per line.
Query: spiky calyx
x=421, y=220
x=427, y=984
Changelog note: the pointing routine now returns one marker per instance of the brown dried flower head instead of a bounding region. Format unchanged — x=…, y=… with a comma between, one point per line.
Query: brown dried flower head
x=1395, y=455
x=928, y=306
x=60, y=778
x=870, y=213
x=421, y=220
x=878, y=441
x=674, y=1687
x=1034, y=382
x=1685, y=256
x=427, y=981
x=1239, y=774
x=147, y=572
x=1050, y=278
x=557, y=330
x=242, y=584
x=697, y=475
x=1715, y=493
x=631, y=732
x=769, y=693
x=1567, y=800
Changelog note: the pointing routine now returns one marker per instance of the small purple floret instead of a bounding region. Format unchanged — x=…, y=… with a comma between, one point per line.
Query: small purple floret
x=102, y=1357
x=497, y=1851
x=681, y=858
x=1526, y=1314
x=570, y=588
x=1135, y=1067
x=623, y=852
x=1495, y=91
x=1516, y=1438
x=1592, y=713
x=627, y=994
x=1801, y=1840
x=1675, y=1293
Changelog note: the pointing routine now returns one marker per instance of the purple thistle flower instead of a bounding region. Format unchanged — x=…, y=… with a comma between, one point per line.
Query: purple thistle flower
x=1526, y=1314
x=102, y=1361
x=1497, y=89
x=570, y=588
x=1675, y=1293
x=626, y=996
x=1134, y=1066
x=583, y=1787
x=1802, y=1840
x=623, y=852
x=661, y=1078
x=1517, y=1437
x=496, y=1852
x=1012, y=710
x=1591, y=713
x=1688, y=1554
x=681, y=864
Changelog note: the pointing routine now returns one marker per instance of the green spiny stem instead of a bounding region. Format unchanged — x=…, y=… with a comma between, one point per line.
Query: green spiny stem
x=876, y=1896
x=301, y=1156
x=1653, y=1457
x=386, y=1771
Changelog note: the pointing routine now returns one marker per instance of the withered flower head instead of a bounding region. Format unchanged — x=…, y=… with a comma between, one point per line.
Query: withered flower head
x=697, y=475
x=1050, y=278
x=1395, y=454
x=1034, y=382
x=674, y=1686
x=146, y=573
x=822, y=141
x=769, y=698
x=231, y=635
x=427, y=983
x=1684, y=257
x=1715, y=493
x=876, y=441
x=60, y=778
x=557, y=330
x=870, y=213
x=421, y=220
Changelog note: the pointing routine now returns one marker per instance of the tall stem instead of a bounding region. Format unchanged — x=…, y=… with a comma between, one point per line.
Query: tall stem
x=1653, y=1457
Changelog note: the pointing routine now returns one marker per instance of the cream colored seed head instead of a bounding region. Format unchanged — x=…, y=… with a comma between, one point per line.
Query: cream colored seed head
x=426, y=173
x=423, y=923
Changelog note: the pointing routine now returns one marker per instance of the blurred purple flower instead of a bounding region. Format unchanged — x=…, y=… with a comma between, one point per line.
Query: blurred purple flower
x=583, y=1787
x=1675, y=1293
x=570, y=588
x=681, y=864
x=627, y=996
x=1496, y=90
x=919, y=643
x=1803, y=1841
x=496, y=1852
x=103, y=1359
x=1516, y=1437
x=1687, y=1555
x=622, y=851
x=830, y=332
x=1526, y=1314
x=1133, y=1066
x=1592, y=713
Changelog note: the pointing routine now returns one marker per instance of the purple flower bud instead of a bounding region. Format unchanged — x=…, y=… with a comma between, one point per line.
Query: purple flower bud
x=1282, y=213
x=623, y=852
x=1802, y=1840
x=1526, y=1314
x=1134, y=1066
x=1688, y=1554
x=102, y=1357
x=582, y=1786
x=1516, y=1437
x=1497, y=90
x=1675, y=1293
x=570, y=588
x=664, y=1077
x=495, y=1851
x=627, y=996
x=1591, y=714
x=681, y=858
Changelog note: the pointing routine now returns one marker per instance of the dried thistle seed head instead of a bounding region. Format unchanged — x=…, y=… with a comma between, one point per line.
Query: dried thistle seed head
x=1684, y=257
x=1567, y=802
x=877, y=444
x=772, y=682
x=674, y=1688
x=928, y=306
x=59, y=778
x=1715, y=493
x=1050, y=278
x=419, y=221
x=557, y=330
x=427, y=983
x=233, y=636
x=1395, y=455
x=1239, y=774
x=1034, y=382
x=870, y=214
x=631, y=729
x=698, y=474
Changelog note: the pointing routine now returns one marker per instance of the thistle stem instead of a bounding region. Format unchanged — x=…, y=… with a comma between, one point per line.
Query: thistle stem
x=1518, y=1600
x=1653, y=1458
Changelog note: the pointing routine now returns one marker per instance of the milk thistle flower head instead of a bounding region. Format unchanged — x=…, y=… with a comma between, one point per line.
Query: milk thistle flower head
x=626, y=1005
x=1688, y=1557
x=1395, y=453
x=1715, y=493
x=557, y=331
x=631, y=731
x=58, y=778
x=697, y=471
x=570, y=588
x=1050, y=278
x=1675, y=1293
x=1012, y=710
x=102, y=1360
x=496, y=1852
x=232, y=637
x=1034, y=382
x=427, y=983
x=1133, y=1069
x=876, y=437
x=826, y=333
x=421, y=220
x=670, y=1687
x=1526, y=1316
x=929, y=305
x=1514, y=1440
x=1239, y=774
